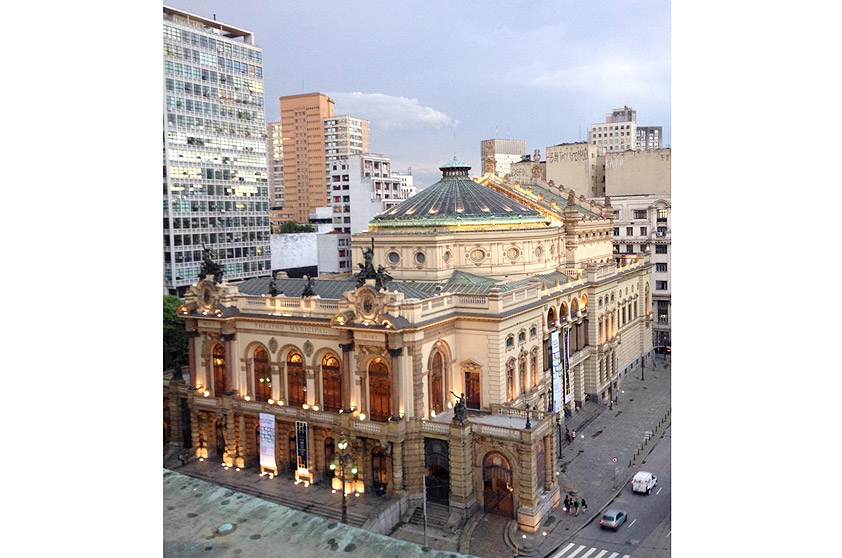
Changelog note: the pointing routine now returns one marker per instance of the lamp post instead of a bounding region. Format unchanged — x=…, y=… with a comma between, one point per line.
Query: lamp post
x=343, y=460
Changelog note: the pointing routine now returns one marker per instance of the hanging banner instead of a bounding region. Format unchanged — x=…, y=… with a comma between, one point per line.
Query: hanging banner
x=267, y=441
x=557, y=383
x=301, y=444
x=565, y=354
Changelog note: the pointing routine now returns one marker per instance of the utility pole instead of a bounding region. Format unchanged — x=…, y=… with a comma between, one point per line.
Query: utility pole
x=425, y=509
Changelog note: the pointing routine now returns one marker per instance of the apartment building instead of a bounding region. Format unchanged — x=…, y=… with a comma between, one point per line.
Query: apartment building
x=620, y=132
x=505, y=152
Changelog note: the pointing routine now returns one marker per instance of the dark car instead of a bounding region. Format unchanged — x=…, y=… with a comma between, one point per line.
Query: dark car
x=612, y=519
x=663, y=350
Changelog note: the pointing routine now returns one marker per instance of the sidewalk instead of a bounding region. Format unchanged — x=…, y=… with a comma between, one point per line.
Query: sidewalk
x=586, y=469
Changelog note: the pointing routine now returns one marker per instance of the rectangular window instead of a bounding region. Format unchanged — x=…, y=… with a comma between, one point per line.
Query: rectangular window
x=642, y=231
x=640, y=214
x=629, y=231
x=630, y=249
x=662, y=215
x=616, y=231
x=663, y=311
x=661, y=285
x=660, y=267
x=661, y=249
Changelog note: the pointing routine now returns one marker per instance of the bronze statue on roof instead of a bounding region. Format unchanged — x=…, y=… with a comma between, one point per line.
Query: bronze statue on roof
x=210, y=267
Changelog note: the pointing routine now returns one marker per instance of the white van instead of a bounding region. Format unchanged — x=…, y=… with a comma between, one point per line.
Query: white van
x=644, y=482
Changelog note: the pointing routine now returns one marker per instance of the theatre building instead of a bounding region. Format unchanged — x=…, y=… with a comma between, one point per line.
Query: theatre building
x=479, y=316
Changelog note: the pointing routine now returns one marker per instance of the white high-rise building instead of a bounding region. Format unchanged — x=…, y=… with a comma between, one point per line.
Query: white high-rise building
x=408, y=188
x=361, y=187
x=215, y=168
x=620, y=132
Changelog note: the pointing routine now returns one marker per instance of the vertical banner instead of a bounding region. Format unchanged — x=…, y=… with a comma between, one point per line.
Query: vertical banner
x=267, y=441
x=557, y=388
x=301, y=445
x=565, y=366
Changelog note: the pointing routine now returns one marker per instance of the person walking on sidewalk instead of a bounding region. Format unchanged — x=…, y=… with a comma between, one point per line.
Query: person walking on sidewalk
x=567, y=434
x=576, y=505
x=566, y=504
x=584, y=505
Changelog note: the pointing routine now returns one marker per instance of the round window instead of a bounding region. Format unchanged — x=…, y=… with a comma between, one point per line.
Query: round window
x=394, y=257
x=447, y=256
x=419, y=257
x=478, y=255
x=539, y=251
x=512, y=253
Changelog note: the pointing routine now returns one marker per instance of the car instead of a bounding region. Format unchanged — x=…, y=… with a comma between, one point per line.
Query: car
x=663, y=350
x=612, y=519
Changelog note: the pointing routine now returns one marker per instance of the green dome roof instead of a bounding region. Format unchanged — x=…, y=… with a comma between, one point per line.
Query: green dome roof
x=455, y=200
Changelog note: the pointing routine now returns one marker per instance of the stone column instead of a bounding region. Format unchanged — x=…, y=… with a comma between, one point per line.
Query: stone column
x=276, y=381
x=228, y=338
x=191, y=359
x=462, y=497
x=417, y=382
x=413, y=463
x=241, y=442
x=347, y=385
x=397, y=466
x=317, y=461
x=284, y=384
x=550, y=452
x=249, y=378
x=396, y=382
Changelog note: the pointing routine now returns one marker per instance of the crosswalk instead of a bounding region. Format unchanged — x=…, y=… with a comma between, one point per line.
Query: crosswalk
x=589, y=552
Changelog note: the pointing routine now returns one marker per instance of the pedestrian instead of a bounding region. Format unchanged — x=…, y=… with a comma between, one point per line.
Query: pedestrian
x=567, y=434
x=576, y=506
x=573, y=436
x=584, y=505
x=566, y=503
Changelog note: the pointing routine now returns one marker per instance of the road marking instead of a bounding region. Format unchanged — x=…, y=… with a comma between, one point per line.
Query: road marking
x=670, y=533
x=577, y=551
x=566, y=548
x=632, y=523
x=588, y=553
x=659, y=491
x=613, y=555
x=600, y=554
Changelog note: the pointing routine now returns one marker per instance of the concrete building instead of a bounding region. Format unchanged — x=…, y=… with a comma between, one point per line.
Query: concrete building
x=638, y=172
x=275, y=156
x=307, y=252
x=643, y=224
x=620, y=132
x=408, y=188
x=508, y=295
x=504, y=152
x=578, y=166
x=346, y=135
x=215, y=189
x=304, y=152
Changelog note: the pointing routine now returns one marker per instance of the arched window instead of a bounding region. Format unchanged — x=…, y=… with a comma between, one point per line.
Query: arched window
x=510, y=380
x=510, y=341
x=380, y=388
x=262, y=375
x=601, y=332
x=522, y=372
x=331, y=383
x=574, y=308
x=296, y=378
x=219, y=384
x=583, y=303
x=647, y=301
x=379, y=468
x=551, y=318
x=437, y=383
x=563, y=313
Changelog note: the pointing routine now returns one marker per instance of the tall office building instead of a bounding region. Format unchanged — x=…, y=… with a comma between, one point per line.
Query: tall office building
x=275, y=152
x=215, y=180
x=305, y=177
x=504, y=152
x=620, y=132
x=345, y=135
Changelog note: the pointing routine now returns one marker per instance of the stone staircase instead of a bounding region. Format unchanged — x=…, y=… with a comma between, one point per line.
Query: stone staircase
x=437, y=516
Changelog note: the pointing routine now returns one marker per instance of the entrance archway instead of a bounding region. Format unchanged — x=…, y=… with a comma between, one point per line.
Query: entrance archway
x=497, y=485
x=437, y=475
x=379, y=469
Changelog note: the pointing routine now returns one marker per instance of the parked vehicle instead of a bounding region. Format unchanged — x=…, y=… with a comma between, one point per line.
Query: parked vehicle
x=612, y=519
x=644, y=482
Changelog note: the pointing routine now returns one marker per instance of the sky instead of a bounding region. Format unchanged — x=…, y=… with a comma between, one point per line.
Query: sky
x=435, y=78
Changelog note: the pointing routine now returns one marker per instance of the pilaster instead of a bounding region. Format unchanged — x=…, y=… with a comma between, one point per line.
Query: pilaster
x=462, y=496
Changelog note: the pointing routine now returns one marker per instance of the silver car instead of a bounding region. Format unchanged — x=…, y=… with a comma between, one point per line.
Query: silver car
x=612, y=519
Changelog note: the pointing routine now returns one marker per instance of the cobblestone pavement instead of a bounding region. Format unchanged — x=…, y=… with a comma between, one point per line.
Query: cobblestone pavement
x=586, y=469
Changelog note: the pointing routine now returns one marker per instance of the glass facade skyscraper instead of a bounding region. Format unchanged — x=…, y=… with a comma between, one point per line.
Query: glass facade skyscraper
x=215, y=186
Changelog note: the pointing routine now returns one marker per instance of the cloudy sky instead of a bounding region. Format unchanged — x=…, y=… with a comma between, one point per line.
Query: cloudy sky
x=437, y=77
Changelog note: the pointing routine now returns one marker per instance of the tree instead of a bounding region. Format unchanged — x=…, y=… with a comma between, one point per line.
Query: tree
x=293, y=227
x=175, y=336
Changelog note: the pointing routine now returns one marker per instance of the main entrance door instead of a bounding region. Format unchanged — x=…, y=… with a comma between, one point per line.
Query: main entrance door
x=437, y=476
x=497, y=485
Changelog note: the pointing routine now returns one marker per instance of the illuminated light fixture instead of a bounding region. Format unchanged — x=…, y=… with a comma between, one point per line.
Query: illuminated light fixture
x=357, y=495
x=281, y=402
x=305, y=406
x=247, y=398
x=306, y=484
x=237, y=469
x=343, y=443
x=362, y=416
x=340, y=411
x=450, y=404
x=544, y=533
x=315, y=407
x=333, y=491
x=271, y=401
x=332, y=468
x=433, y=413
x=524, y=536
x=207, y=393
x=201, y=459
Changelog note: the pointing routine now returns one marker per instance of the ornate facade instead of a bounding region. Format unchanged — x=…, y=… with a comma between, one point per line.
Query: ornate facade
x=383, y=360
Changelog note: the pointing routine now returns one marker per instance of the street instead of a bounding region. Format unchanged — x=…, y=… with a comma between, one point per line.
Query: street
x=646, y=533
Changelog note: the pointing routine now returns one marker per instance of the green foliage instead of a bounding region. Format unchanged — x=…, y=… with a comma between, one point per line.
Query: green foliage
x=175, y=336
x=293, y=227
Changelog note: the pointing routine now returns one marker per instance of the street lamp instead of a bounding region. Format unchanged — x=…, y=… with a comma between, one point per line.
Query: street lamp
x=343, y=460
